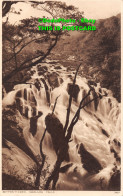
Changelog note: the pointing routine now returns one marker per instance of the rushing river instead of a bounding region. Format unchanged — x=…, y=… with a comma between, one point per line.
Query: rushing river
x=98, y=127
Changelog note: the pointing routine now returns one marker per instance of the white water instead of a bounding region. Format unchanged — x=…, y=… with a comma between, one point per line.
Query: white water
x=88, y=129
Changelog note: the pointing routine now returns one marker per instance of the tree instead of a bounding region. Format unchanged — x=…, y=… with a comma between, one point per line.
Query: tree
x=17, y=40
x=6, y=6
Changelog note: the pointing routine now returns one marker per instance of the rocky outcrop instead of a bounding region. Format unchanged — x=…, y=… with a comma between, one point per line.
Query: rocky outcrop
x=55, y=129
x=53, y=79
x=33, y=123
x=11, y=130
x=75, y=90
x=90, y=163
x=41, y=69
x=37, y=84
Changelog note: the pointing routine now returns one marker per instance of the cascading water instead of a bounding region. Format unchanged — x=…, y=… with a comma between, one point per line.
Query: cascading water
x=95, y=137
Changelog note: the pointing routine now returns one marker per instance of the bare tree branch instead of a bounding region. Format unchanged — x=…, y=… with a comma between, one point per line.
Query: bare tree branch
x=76, y=116
x=70, y=101
x=40, y=167
x=64, y=148
x=26, y=44
x=6, y=6
x=55, y=104
x=32, y=64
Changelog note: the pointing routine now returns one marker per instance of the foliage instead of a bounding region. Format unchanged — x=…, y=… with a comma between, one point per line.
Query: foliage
x=24, y=45
x=100, y=52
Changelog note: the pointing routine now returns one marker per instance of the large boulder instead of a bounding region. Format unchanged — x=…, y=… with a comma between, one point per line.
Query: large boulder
x=55, y=129
x=33, y=123
x=75, y=90
x=53, y=80
x=90, y=163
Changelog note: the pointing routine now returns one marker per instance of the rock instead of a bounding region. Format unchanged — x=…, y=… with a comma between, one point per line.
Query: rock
x=34, y=109
x=19, y=105
x=55, y=129
x=90, y=163
x=47, y=90
x=58, y=67
x=115, y=182
x=32, y=72
x=13, y=132
x=75, y=91
x=115, y=154
x=53, y=80
x=90, y=82
x=105, y=133
x=61, y=80
x=40, y=73
x=117, y=143
x=100, y=90
x=98, y=119
x=70, y=76
x=106, y=94
x=96, y=101
x=33, y=123
x=19, y=93
x=65, y=168
x=27, y=95
x=37, y=84
x=42, y=68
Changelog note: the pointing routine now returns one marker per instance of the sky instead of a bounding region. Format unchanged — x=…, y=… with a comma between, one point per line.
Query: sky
x=97, y=9
x=93, y=9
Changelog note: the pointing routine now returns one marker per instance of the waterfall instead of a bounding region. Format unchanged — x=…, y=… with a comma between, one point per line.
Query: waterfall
x=96, y=129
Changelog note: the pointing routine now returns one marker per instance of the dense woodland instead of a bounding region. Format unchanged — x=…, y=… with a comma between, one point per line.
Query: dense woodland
x=100, y=52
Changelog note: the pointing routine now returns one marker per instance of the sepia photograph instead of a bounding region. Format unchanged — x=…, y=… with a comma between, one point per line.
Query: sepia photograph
x=61, y=96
